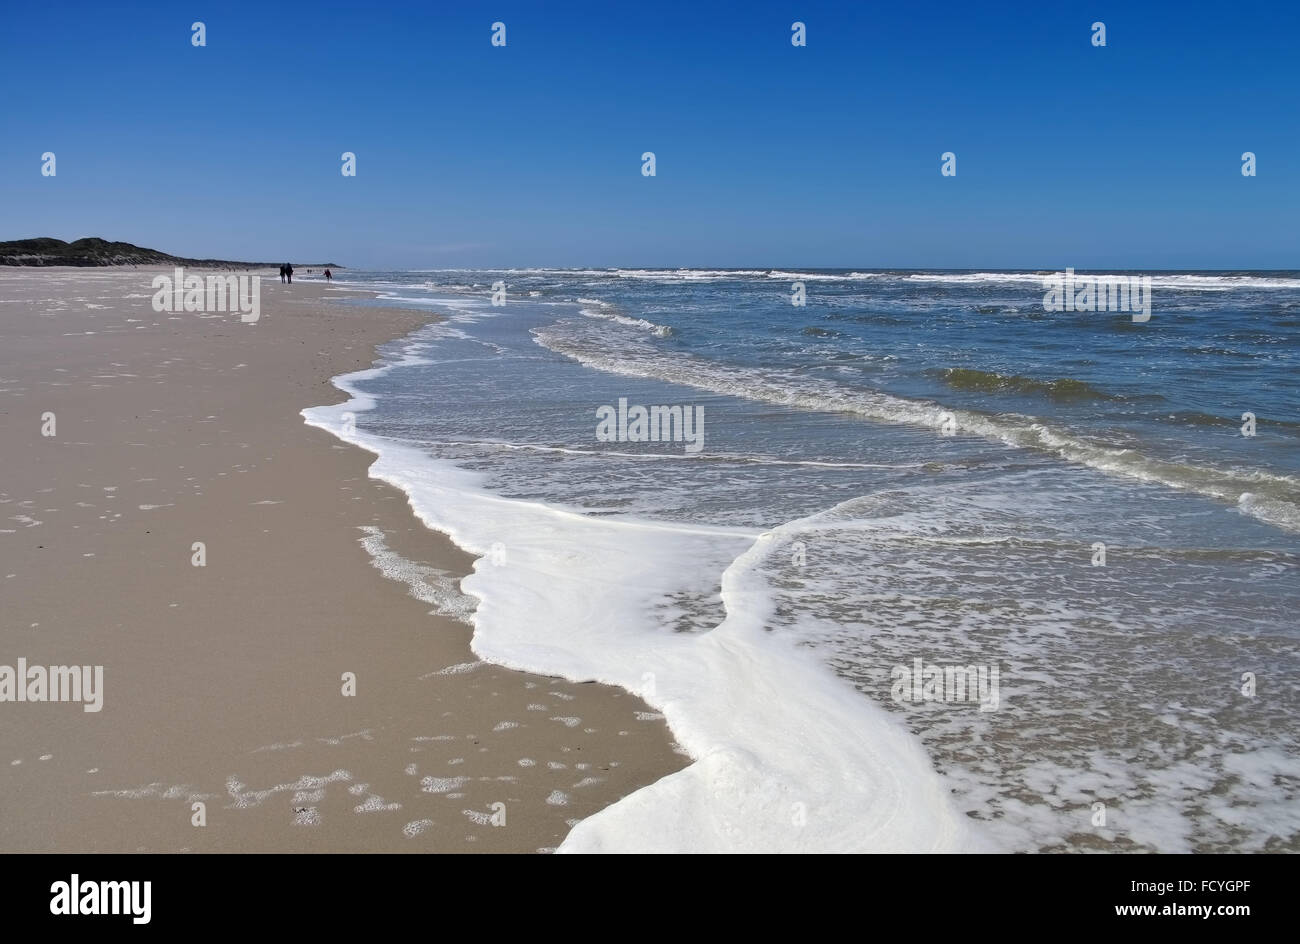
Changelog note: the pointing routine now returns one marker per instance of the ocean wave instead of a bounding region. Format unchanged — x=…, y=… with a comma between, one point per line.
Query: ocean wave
x=595, y=308
x=785, y=276
x=687, y=275
x=1273, y=498
x=1175, y=281
x=728, y=458
x=1065, y=389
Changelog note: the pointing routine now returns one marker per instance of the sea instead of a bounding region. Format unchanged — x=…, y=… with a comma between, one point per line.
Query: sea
x=912, y=564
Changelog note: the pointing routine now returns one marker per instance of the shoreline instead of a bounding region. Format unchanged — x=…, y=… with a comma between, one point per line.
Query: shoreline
x=582, y=596
x=226, y=692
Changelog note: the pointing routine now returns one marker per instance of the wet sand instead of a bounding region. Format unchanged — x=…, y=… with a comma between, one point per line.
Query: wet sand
x=223, y=683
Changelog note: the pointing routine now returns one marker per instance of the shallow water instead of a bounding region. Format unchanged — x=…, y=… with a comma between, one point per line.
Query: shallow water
x=937, y=466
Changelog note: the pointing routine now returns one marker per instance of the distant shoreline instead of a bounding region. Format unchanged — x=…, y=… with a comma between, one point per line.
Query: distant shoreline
x=93, y=252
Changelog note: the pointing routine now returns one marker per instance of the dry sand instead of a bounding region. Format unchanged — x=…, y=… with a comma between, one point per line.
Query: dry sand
x=223, y=682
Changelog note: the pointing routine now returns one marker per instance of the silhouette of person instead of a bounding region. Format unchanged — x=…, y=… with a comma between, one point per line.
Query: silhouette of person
x=328, y=277
x=288, y=271
x=282, y=273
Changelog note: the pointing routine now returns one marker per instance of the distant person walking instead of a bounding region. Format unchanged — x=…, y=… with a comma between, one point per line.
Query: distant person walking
x=288, y=271
x=328, y=276
x=283, y=277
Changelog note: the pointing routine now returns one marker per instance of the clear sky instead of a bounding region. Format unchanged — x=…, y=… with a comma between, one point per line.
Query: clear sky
x=1127, y=156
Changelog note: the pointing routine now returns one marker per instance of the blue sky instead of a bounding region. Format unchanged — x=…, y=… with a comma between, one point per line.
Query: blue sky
x=1126, y=156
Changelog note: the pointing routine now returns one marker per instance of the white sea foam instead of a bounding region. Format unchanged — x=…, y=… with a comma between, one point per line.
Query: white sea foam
x=437, y=588
x=375, y=804
x=827, y=276
x=415, y=828
x=687, y=275
x=460, y=668
x=441, y=784
x=787, y=756
x=593, y=308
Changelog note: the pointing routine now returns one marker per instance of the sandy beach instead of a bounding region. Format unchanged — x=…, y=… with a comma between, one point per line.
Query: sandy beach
x=222, y=683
